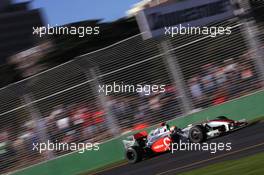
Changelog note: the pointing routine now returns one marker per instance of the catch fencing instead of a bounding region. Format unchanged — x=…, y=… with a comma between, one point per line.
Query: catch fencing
x=127, y=86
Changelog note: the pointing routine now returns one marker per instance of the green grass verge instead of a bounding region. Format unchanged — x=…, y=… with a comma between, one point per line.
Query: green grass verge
x=105, y=168
x=259, y=119
x=252, y=165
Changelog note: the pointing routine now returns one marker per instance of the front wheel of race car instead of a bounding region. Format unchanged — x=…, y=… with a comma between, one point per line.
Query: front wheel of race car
x=197, y=134
x=133, y=155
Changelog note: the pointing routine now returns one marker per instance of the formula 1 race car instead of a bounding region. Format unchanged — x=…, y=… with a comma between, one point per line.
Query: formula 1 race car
x=142, y=145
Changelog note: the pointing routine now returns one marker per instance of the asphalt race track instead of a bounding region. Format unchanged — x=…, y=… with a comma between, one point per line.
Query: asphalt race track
x=245, y=142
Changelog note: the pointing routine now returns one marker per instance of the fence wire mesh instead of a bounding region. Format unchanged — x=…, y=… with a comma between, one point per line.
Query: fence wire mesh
x=65, y=104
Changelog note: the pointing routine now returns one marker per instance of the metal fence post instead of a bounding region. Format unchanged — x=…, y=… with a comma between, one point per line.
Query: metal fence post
x=110, y=119
x=250, y=31
x=255, y=46
x=90, y=71
x=40, y=125
x=175, y=71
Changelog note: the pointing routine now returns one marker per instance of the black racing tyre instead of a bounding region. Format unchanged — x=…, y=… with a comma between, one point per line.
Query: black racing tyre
x=175, y=137
x=197, y=134
x=133, y=155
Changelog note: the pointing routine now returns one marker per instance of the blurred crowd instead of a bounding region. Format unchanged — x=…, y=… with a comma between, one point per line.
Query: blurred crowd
x=81, y=123
x=216, y=83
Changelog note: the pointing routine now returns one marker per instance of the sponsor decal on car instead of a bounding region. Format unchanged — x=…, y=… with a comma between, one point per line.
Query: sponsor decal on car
x=162, y=145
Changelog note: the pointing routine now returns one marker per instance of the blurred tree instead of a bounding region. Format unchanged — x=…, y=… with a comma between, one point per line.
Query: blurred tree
x=8, y=74
x=68, y=47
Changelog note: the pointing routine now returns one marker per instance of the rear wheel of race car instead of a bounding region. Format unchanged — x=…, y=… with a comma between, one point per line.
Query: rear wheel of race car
x=197, y=134
x=133, y=155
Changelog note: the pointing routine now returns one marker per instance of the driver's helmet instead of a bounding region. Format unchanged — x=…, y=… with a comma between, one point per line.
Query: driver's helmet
x=163, y=124
x=164, y=127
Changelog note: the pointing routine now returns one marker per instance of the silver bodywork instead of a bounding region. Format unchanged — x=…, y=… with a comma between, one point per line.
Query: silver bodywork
x=210, y=124
x=163, y=131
